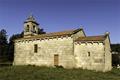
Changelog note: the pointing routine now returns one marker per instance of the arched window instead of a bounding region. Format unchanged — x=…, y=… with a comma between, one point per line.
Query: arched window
x=34, y=29
x=27, y=28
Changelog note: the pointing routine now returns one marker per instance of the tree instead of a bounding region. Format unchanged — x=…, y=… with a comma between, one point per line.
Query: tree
x=3, y=37
x=115, y=47
x=41, y=31
x=3, y=44
x=115, y=57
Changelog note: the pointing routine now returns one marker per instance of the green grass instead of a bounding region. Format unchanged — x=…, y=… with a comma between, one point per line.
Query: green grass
x=44, y=73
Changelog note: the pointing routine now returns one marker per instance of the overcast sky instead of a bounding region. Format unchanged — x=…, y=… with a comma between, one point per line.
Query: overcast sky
x=96, y=16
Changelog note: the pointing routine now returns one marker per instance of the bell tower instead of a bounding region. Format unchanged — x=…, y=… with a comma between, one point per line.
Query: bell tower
x=31, y=27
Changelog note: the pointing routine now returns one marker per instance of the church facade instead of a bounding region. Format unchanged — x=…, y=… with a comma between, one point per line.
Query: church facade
x=70, y=49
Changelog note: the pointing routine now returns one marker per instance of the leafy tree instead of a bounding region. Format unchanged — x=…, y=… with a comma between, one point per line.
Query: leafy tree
x=41, y=31
x=115, y=57
x=115, y=47
x=3, y=44
x=3, y=37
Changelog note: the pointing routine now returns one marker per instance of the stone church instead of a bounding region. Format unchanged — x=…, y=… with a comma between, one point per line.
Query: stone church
x=69, y=49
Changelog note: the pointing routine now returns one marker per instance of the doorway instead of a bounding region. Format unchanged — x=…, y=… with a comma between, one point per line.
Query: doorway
x=56, y=59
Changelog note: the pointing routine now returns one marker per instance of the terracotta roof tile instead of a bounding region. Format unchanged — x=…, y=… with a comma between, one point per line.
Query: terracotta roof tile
x=91, y=38
x=62, y=33
x=54, y=34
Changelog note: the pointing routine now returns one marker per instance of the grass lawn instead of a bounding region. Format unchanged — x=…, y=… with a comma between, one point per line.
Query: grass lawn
x=44, y=73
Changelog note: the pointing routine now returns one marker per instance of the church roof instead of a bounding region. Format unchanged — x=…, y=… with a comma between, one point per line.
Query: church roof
x=54, y=34
x=92, y=38
x=62, y=33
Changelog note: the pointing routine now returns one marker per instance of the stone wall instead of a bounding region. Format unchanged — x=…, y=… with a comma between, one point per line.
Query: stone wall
x=78, y=34
x=24, y=52
x=89, y=55
x=31, y=30
x=108, y=54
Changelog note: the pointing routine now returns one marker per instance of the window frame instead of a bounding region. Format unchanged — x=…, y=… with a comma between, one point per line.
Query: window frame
x=34, y=29
x=35, y=48
x=27, y=28
x=88, y=54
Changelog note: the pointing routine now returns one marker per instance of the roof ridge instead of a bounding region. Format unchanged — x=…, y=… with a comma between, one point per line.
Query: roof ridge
x=55, y=34
x=92, y=38
x=63, y=31
x=96, y=36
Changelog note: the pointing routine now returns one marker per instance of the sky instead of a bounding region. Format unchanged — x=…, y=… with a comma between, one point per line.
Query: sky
x=95, y=16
